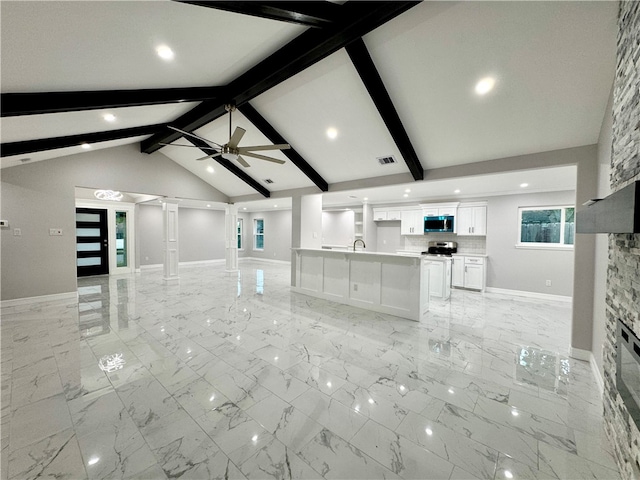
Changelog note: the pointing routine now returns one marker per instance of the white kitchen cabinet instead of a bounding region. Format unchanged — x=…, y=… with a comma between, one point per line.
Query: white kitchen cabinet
x=457, y=272
x=439, y=278
x=430, y=212
x=468, y=272
x=471, y=220
x=411, y=222
x=380, y=214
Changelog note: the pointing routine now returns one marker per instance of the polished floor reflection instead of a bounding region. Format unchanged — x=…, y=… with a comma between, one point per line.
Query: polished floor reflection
x=233, y=376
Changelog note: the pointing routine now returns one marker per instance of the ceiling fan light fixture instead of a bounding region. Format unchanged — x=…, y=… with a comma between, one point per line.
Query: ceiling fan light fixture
x=229, y=156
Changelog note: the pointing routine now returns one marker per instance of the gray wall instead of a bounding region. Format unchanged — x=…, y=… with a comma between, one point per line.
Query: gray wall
x=200, y=234
x=41, y=195
x=525, y=269
x=277, y=235
x=149, y=234
x=602, y=241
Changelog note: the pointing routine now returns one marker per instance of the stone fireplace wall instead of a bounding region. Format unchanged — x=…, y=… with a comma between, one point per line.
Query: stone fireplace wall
x=623, y=276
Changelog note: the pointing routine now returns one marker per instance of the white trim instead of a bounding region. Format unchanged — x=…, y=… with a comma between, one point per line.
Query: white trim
x=63, y=298
x=596, y=373
x=522, y=293
x=156, y=266
x=266, y=260
x=580, y=354
x=545, y=246
x=202, y=262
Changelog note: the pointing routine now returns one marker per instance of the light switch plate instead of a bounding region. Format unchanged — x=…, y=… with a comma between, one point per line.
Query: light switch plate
x=55, y=232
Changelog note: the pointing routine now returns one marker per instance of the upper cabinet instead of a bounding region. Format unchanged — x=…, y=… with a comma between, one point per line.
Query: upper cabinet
x=412, y=222
x=393, y=213
x=471, y=219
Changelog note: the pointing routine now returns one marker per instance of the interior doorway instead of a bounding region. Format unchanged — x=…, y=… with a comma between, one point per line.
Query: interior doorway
x=92, y=242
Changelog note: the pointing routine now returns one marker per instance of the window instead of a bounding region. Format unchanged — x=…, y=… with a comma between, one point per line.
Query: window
x=239, y=228
x=546, y=226
x=258, y=234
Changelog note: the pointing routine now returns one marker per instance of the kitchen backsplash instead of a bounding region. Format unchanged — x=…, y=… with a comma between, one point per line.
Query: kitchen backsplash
x=465, y=244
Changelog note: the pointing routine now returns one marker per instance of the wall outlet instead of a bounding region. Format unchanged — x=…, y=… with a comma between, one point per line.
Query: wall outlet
x=55, y=232
x=17, y=232
x=355, y=287
x=548, y=283
x=315, y=234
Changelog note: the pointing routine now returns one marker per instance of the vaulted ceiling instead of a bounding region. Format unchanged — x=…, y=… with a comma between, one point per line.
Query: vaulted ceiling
x=392, y=78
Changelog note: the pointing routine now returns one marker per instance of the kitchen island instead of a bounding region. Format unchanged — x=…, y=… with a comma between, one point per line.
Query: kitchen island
x=381, y=282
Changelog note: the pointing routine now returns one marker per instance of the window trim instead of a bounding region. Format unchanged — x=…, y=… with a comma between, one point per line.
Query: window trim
x=540, y=245
x=240, y=233
x=255, y=234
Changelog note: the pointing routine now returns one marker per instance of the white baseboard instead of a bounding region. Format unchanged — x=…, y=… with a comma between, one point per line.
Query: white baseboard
x=62, y=298
x=596, y=374
x=522, y=293
x=157, y=266
x=580, y=354
x=265, y=260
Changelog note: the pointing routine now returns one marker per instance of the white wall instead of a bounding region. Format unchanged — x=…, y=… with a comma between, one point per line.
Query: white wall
x=41, y=195
x=602, y=240
x=338, y=228
x=277, y=235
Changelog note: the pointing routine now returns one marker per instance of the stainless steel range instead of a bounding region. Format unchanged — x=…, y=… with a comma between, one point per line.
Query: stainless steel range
x=441, y=248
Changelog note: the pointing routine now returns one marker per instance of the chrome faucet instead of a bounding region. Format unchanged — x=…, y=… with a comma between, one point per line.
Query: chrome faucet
x=356, y=241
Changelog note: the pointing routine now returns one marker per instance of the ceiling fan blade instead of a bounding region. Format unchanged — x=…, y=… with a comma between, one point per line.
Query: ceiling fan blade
x=190, y=146
x=262, y=157
x=213, y=155
x=236, y=137
x=280, y=146
x=243, y=162
x=193, y=135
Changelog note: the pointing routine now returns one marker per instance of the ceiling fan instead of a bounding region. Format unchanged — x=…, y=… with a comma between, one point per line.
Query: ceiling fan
x=231, y=150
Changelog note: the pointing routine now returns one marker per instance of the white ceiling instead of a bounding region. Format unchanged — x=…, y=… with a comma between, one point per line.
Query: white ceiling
x=553, y=62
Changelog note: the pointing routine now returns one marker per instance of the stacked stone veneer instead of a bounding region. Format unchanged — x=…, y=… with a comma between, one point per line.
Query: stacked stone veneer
x=623, y=276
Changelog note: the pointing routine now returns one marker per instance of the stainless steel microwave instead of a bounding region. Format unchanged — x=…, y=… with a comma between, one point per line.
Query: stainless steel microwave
x=443, y=223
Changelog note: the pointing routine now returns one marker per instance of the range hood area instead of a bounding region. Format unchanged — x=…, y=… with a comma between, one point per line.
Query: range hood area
x=617, y=213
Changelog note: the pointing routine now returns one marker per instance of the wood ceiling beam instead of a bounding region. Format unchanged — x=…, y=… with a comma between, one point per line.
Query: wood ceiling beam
x=237, y=171
x=16, y=104
x=42, y=144
x=357, y=19
x=268, y=131
x=308, y=14
x=363, y=63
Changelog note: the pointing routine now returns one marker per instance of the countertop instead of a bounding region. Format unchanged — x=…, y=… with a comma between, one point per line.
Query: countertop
x=359, y=252
x=483, y=255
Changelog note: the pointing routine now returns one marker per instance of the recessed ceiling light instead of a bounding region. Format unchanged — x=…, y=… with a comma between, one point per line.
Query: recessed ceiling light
x=244, y=208
x=210, y=169
x=109, y=117
x=456, y=190
x=275, y=206
x=85, y=146
x=332, y=133
x=524, y=185
x=366, y=198
x=405, y=195
x=208, y=206
x=485, y=85
x=165, y=52
x=408, y=190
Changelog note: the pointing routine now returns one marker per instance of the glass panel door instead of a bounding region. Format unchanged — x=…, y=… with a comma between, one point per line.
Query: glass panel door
x=121, y=239
x=91, y=242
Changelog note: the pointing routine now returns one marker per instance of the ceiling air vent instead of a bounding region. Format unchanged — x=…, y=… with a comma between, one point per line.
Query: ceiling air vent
x=268, y=180
x=387, y=160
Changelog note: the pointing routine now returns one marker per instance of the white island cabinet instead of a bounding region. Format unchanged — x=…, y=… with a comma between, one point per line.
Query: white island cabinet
x=381, y=282
x=469, y=271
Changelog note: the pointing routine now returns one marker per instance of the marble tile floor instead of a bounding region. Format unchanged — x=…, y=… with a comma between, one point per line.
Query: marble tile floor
x=233, y=376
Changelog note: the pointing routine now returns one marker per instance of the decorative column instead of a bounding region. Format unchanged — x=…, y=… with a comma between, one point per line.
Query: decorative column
x=306, y=225
x=170, y=223
x=231, y=238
